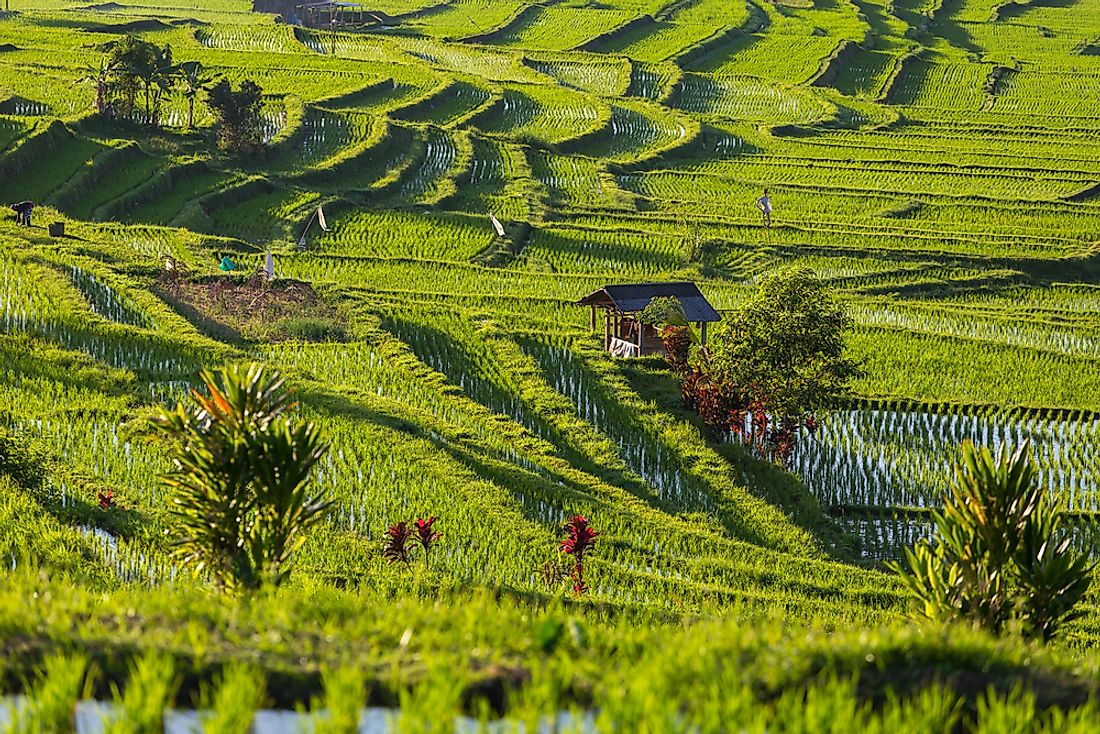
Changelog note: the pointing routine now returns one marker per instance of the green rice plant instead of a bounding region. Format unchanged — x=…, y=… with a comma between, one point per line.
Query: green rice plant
x=935, y=85
x=440, y=154
x=559, y=28
x=345, y=693
x=676, y=28
x=346, y=45
x=747, y=98
x=865, y=73
x=418, y=235
x=782, y=58
x=466, y=18
x=571, y=250
x=165, y=196
x=449, y=106
x=54, y=167
x=277, y=39
x=576, y=180
x=1014, y=712
x=653, y=81
x=497, y=65
x=592, y=74
x=866, y=468
x=498, y=180
x=140, y=707
x=324, y=135
x=638, y=131
x=549, y=114
x=234, y=700
x=435, y=703
x=51, y=703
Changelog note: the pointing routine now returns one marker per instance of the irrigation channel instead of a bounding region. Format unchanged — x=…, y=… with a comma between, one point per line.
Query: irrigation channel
x=881, y=470
x=95, y=717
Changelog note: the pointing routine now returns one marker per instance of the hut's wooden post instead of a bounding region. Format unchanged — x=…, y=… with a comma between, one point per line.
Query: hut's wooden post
x=593, y=318
x=703, y=335
x=606, y=329
x=641, y=331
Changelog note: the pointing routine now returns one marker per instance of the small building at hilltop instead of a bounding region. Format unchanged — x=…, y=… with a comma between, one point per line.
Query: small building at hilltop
x=624, y=334
x=332, y=15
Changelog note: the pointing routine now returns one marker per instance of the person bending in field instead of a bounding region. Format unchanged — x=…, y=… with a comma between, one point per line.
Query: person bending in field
x=23, y=212
x=764, y=204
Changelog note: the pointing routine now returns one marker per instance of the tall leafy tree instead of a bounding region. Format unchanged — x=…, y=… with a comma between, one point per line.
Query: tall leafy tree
x=784, y=348
x=132, y=59
x=161, y=78
x=241, y=477
x=238, y=115
x=772, y=364
x=134, y=65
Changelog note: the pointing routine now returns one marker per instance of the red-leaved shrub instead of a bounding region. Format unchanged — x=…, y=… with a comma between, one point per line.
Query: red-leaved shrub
x=579, y=539
x=676, y=341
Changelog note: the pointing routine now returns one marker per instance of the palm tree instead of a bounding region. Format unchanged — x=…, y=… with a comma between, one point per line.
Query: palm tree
x=162, y=78
x=129, y=57
x=194, y=79
x=152, y=67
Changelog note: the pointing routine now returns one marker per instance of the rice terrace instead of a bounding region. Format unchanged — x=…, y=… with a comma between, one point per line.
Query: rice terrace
x=564, y=366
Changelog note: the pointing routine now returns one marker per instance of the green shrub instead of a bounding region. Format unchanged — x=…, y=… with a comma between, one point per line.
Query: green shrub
x=51, y=702
x=241, y=476
x=1001, y=556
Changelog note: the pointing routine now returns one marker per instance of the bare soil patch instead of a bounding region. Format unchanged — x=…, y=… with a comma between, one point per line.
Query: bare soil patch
x=233, y=308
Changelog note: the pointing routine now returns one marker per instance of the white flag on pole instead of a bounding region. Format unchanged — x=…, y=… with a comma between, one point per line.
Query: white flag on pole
x=269, y=266
x=321, y=218
x=497, y=225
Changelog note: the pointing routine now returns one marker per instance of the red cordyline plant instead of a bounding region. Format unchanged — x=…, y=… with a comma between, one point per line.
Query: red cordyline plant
x=717, y=403
x=676, y=341
x=426, y=536
x=579, y=539
x=730, y=414
x=397, y=543
x=107, y=500
x=401, y=536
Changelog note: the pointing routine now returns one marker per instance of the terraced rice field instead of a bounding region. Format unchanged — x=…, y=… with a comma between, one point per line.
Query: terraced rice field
x=938, y=164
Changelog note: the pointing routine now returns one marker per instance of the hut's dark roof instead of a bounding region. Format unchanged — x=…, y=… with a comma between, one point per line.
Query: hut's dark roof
x=629, y=298
x=322, y=4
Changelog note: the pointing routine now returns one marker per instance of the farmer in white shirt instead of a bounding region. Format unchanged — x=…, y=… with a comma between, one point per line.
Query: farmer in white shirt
x=764, y=204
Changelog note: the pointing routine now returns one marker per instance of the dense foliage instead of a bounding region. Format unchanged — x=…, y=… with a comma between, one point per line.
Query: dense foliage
x=242, y=469
x=936, y=167
x=238, y=115
x=785, y=347
x=772, y=364
x=1002, y=553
